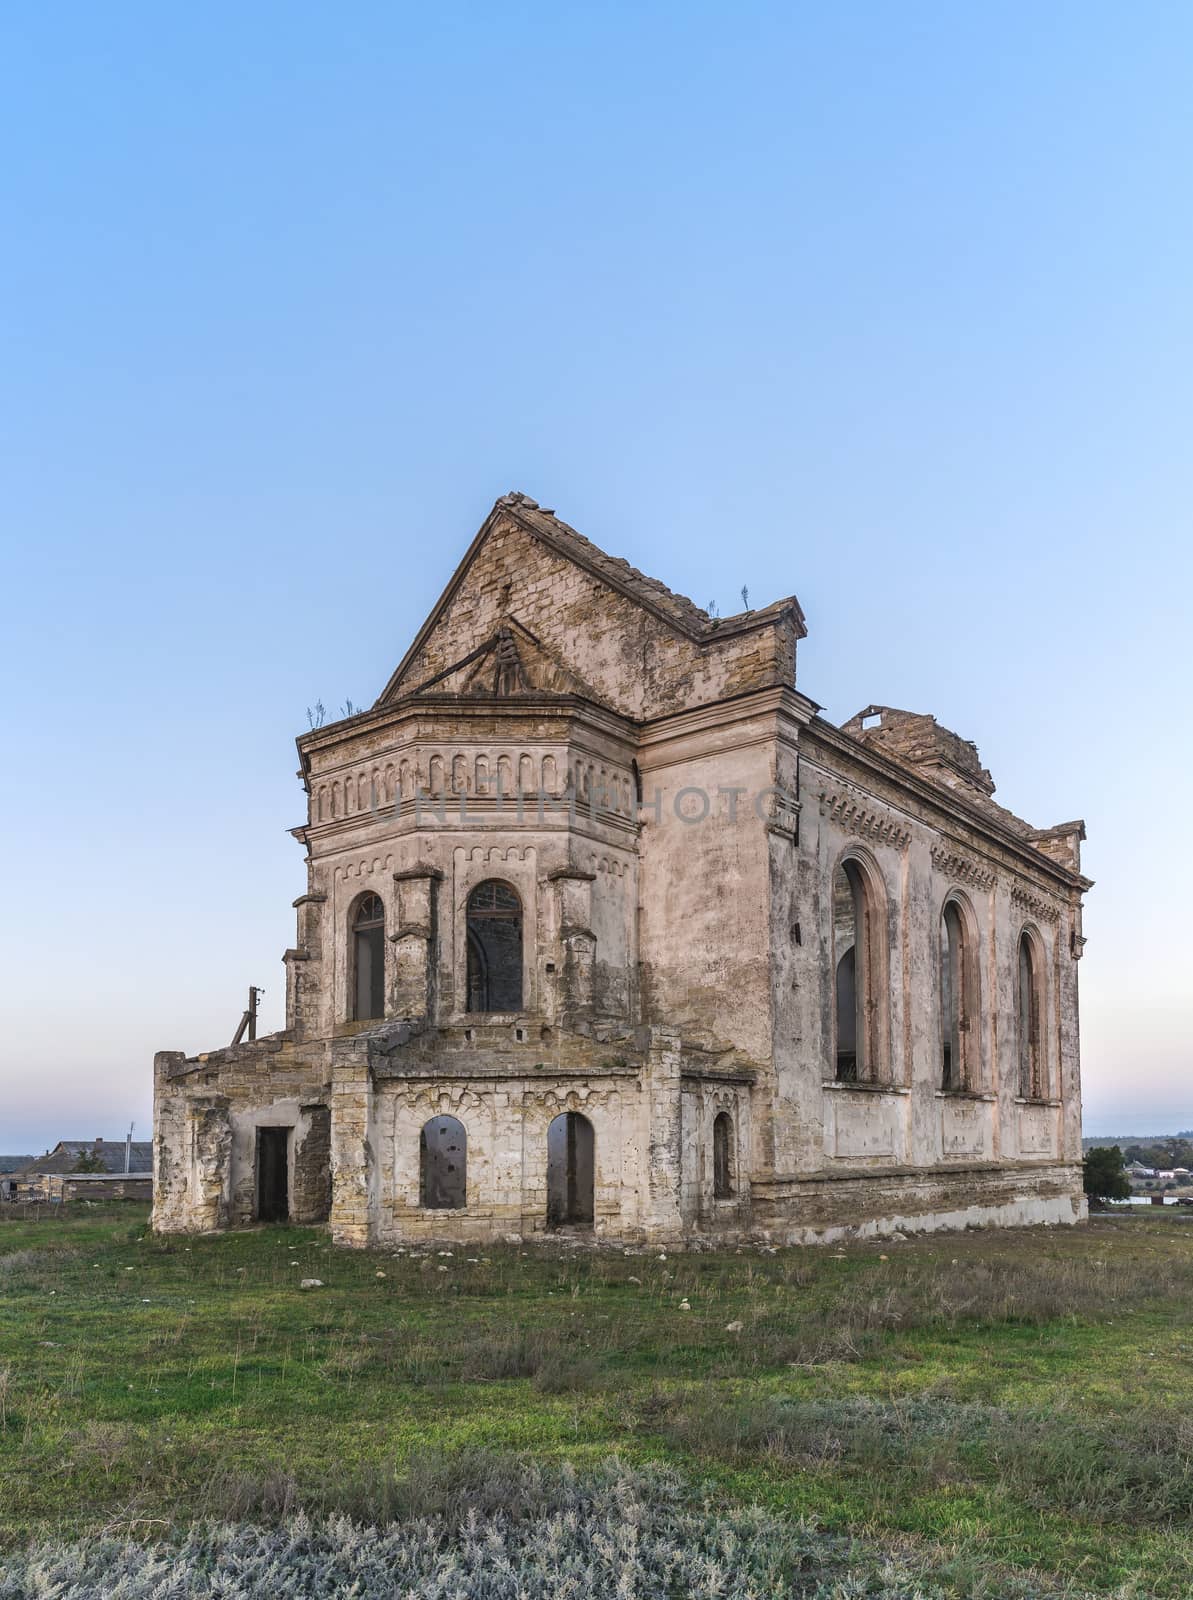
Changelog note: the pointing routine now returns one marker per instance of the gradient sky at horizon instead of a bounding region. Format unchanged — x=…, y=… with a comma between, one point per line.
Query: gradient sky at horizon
x=885, y=306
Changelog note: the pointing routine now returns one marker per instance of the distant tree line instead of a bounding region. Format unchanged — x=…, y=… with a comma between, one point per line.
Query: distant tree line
x=1175, y=1152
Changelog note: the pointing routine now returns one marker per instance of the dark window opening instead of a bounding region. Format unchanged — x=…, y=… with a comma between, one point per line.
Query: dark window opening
x=443, y=1165
x=273, y=1177
x=570, y=1172
x=368, y=959
x=1031, y=1084
x=956, y=1000
x=722, y=1156
x=847, y=1017
x=856, y=977
x=494, y=938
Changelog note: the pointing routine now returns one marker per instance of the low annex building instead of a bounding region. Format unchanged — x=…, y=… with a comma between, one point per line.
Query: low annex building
x=607, y=931
x=88, y=1169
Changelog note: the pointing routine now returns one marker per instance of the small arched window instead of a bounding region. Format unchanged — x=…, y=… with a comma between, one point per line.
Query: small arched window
x=858, y=968
x=722, y=1156
x=958, y=1001
x=571, y=1171
x=443, y=1165
x=494, y=935
x=1029, y=1007
x=368, y=959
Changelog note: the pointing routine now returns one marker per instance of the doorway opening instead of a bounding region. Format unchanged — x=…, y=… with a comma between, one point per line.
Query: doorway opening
x=273, y=1175
x=570, y=1172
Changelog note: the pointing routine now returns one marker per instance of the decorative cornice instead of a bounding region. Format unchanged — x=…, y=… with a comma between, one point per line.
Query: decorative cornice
x=1034, y=904
x=854, y=818
x=962, y=868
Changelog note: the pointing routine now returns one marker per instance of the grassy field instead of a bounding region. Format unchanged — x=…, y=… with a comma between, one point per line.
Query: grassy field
x=979, y=1405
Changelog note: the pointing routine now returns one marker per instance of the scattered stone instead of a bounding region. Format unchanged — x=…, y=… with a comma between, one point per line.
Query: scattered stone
x=734, y=1327
x=311, y=1283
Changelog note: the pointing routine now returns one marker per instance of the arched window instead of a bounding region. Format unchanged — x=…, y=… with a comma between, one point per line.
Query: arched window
x=570, y=1172
x=1028, y=985
x=368, y=959
x=858, y=969
x=494, y=924
x=958, y=1000
x=722, y=1156
x=443, y=1165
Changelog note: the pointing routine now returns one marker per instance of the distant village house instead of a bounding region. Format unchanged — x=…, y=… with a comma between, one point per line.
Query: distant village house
x=91, y=1169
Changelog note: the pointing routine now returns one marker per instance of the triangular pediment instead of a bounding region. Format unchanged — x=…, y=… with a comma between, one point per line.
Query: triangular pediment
x=534, y=607
x=511, y=663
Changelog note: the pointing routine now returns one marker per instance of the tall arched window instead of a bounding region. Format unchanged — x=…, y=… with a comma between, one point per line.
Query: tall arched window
x=1029, y=1006
x=494, y=933
x=443, y=1165
x=858, y=975
x=368, y=959
x=722, y=1156
x=958, y=1000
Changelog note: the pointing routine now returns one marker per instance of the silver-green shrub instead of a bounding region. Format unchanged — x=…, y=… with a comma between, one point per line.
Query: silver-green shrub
x=614, y=1535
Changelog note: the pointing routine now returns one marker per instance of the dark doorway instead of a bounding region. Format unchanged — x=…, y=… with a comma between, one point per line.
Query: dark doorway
x=273, y=1176
x=570, y=1172
x=368, y=942
x=443, y=1171
x=494, y=948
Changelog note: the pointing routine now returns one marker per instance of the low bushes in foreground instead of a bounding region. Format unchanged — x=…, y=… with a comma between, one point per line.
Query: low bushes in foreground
x=616, y=1533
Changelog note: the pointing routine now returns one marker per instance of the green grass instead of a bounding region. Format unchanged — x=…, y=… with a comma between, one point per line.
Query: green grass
x=1008, y=1402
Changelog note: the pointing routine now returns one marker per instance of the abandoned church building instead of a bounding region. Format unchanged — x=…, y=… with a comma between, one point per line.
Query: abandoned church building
x=607, y=931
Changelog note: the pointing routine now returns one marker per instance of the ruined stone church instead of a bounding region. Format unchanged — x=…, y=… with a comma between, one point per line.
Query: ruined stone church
x=608, y=933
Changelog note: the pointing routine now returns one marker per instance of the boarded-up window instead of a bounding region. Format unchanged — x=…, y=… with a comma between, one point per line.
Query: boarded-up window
x=570, y=1172
x=494, y=924
x=443, y=1157
x=368, y=959
x=722, y=1156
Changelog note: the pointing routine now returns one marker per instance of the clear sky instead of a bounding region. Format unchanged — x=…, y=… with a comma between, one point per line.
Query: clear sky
x=886, y=305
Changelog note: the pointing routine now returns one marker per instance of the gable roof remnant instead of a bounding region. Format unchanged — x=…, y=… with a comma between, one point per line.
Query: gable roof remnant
x=916, y=741
x=67, y=1152
x=920, y=741
x=542, y=524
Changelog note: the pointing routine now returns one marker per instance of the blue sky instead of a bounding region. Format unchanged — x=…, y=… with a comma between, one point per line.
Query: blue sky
x=886, y=306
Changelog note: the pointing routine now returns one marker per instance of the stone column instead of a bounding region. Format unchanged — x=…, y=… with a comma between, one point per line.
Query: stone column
x=662, y=1219
x=171, y=1147
x=303, y=967
x=211, y=1163
x=415, y=940
x=351, y=1154
x=577, y=944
